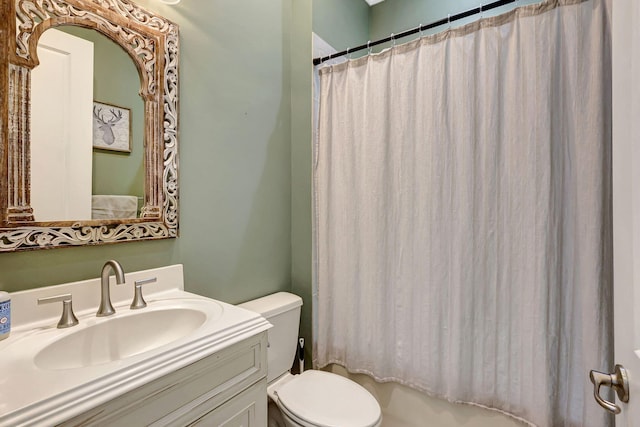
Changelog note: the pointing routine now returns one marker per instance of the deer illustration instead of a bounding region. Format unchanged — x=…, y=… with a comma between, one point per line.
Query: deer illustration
x=106, y=126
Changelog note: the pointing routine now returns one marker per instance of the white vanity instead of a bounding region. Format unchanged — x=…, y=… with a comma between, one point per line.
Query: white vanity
x=183, y=359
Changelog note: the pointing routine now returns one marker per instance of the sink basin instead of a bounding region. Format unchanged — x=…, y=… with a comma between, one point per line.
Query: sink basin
x=112, y=339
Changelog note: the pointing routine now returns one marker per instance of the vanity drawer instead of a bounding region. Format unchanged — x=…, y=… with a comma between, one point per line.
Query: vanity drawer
x=248, y=409
x=204, y=385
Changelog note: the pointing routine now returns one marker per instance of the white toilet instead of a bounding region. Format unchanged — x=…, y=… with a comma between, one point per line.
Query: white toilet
x=313, y=398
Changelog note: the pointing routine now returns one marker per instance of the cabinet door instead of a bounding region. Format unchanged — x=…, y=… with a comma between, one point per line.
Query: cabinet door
x=248, y=409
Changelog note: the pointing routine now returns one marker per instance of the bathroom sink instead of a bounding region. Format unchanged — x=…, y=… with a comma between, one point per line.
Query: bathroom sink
x=116, y=338
x=50, y=375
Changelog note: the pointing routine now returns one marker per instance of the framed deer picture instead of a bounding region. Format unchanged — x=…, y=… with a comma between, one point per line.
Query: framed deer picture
x=111, y=127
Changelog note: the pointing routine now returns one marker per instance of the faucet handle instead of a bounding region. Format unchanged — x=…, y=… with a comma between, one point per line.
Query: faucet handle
x=67, y=319
x=138, y=300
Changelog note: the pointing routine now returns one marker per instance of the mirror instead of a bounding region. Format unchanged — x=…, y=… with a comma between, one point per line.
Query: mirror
x=87, y=115
x=93, y=159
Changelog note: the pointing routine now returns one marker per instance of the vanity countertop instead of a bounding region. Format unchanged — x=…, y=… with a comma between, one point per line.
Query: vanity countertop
x=34, y=395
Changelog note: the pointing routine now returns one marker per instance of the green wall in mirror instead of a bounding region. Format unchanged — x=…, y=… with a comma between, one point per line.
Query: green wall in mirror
x=116, y=82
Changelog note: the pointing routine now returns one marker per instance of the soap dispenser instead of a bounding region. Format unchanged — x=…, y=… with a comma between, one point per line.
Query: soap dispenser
x=5, y=315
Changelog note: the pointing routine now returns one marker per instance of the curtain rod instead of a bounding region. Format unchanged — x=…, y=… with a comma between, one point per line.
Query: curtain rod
x=392, y=37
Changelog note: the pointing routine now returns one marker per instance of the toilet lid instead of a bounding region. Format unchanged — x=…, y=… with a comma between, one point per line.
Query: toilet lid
x=324, y=399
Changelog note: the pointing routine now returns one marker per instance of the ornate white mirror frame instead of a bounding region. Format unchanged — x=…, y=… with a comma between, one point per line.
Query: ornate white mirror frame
x=152, y=42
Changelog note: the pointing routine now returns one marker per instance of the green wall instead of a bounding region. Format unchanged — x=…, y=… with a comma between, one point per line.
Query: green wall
x=341, y=23
x=349, y=23
x=395, y=16
x=301, y=136
x=236, y=130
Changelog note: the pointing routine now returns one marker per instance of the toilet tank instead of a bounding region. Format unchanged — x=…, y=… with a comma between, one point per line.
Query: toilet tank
x=282, y=310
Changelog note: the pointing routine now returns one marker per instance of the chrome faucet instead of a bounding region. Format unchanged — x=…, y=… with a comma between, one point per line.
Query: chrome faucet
x=106, y=309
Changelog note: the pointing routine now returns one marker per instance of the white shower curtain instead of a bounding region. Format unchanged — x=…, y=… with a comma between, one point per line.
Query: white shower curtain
x=463, y=213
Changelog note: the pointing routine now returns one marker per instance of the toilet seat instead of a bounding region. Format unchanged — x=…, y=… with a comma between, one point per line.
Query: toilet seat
x=322, y=399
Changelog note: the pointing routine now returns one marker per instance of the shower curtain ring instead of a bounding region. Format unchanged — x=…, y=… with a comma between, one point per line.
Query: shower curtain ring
x=347, y=55
x=369, y=47
x=449, y=20
x=481, y=11
x=393, y=40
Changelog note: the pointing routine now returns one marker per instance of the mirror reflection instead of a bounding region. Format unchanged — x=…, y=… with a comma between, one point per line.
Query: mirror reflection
x=87, y=127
